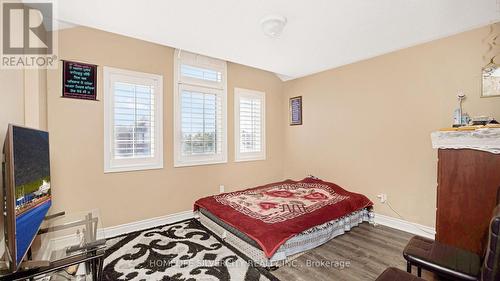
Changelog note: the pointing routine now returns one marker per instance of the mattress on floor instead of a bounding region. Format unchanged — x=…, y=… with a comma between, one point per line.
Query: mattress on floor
x=299, y=243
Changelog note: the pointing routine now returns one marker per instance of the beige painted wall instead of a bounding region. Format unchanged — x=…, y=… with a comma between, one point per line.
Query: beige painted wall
x=11, y=100
x=367, y=125
x=22, y=97
x=76, y=129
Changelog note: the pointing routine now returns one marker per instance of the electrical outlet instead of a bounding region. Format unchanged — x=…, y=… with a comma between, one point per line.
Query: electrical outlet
x=382, y=197
x=222, y=189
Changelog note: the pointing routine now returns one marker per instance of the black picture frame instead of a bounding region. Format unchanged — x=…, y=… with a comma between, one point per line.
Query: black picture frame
x=79, y=84
x=295, y=111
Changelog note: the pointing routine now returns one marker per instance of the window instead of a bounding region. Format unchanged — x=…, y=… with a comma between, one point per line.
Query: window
x=133, y=137
x=200, y=135
x=249, y=125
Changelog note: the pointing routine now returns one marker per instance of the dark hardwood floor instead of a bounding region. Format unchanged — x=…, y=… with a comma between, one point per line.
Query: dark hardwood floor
x=361, y=254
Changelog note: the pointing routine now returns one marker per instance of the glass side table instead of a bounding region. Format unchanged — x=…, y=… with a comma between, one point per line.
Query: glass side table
x=68, y=245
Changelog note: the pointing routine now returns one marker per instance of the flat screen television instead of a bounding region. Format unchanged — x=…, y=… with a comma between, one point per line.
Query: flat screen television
x=26, y=189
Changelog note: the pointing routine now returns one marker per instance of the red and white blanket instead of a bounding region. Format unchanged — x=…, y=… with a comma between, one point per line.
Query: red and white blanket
x=273, y=213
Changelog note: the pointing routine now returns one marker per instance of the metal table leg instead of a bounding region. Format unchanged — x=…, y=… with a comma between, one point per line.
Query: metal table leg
x=101, y=264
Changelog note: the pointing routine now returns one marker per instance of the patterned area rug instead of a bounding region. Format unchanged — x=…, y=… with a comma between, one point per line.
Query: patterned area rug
x=184, y=251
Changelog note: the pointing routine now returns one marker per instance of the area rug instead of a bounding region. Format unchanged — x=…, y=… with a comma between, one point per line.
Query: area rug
x=184, y=251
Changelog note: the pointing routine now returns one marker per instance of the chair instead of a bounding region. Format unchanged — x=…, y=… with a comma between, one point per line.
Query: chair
x=455, y=263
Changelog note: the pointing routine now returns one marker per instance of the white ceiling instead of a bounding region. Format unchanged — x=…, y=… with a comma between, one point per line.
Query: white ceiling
x=319, y=35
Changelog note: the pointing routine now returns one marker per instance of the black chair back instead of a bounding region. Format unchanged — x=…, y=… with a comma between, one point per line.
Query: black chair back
x=491, y=264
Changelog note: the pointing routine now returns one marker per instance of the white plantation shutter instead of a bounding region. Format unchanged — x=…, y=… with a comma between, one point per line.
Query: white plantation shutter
x=133, y=120
x=200, y=110
x=249, y=125
x=201, y=125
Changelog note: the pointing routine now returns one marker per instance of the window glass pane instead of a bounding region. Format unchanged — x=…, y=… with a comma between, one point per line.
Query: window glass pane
x=201, y=73
x=199, y=119
x=134, y=121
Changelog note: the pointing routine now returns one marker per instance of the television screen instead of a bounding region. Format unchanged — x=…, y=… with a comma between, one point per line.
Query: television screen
x=30, y=180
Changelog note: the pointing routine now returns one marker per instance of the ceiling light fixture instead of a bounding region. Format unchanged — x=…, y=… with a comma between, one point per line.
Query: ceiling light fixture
x=273, y=25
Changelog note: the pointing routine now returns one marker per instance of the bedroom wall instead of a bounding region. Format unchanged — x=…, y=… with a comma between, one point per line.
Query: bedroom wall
x=22, y=99
x=11, y=100
x=367, y=125
x=76, y=129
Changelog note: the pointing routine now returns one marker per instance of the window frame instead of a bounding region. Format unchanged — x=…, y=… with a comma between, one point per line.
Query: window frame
x=110, y=76
x=249, y=156
x=219, y=88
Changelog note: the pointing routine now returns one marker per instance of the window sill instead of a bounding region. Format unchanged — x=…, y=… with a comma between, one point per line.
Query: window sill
x=198, y=163
x=249, y=159
x=123, y=169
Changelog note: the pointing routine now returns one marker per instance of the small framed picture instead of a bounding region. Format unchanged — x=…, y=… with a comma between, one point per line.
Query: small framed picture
x=79, y=80
x=296, y=111
x=491, y=81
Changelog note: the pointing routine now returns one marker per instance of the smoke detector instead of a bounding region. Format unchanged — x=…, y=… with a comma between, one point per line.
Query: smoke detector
x=273, y=25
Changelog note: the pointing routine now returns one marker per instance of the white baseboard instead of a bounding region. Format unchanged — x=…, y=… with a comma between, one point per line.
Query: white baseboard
x=113, y=231
x=406, y=226
x=392, y=222
x=145, y=224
